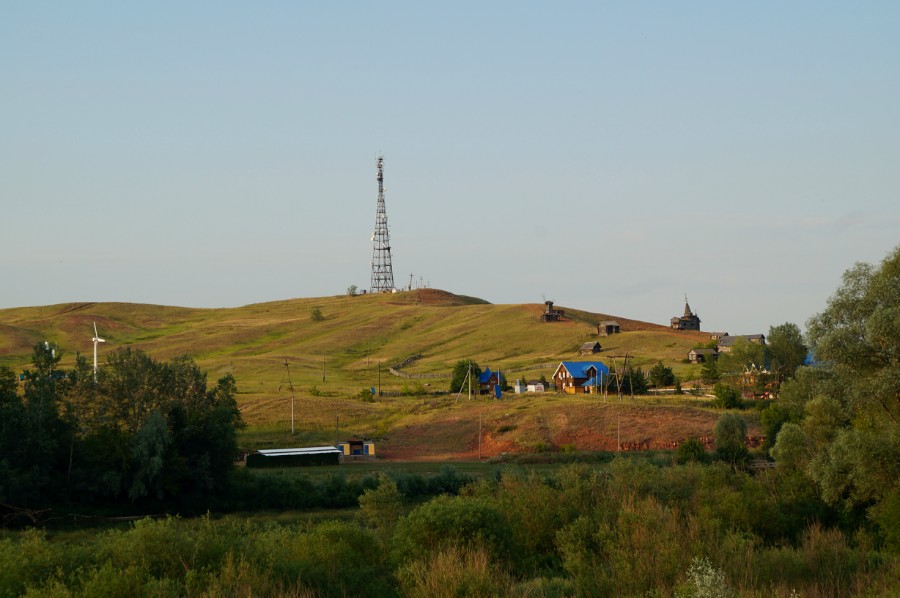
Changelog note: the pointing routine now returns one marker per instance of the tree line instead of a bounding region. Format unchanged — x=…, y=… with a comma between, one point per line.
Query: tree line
x=145, y=433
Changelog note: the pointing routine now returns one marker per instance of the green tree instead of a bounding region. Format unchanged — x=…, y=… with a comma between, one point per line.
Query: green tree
x=461, y=370
x=632, y=381
x=150, y=446
x=742, y=356
x=691, y=450
x=785, y=351
x=730, y=434
x=661, y=375
x=315, y=314
x=727, y=396
x=709, y=373
x=851, y=412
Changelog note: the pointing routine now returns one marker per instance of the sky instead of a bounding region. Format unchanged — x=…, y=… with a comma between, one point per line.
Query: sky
x=609, y=156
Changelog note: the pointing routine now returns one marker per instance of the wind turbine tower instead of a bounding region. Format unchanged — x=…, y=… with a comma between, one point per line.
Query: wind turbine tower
x=382, y=271
x=97, y=340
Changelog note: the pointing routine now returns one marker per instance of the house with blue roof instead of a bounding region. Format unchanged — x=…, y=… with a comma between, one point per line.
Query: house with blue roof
x=488, y=380
x=580, y=376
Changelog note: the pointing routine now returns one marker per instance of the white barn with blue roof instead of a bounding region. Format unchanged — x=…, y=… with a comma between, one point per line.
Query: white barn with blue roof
x=580, y=376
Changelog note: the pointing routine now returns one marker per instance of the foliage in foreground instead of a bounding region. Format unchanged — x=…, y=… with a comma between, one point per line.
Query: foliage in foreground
x=625, y=529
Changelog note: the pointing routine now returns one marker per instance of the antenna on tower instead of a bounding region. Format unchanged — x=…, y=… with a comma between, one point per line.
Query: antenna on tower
x=382, y=271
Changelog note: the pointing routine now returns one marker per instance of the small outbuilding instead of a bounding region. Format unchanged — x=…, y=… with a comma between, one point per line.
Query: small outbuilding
x=535, y=386
x=702, y=355
x=589, y=348
x=357, y=450
x=608, y=327
x=295, y=457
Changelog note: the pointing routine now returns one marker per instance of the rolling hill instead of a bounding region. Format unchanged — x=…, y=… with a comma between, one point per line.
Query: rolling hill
x=337, y=346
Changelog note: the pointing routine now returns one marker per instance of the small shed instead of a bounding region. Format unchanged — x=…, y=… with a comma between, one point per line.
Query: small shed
x=357, y=450
x=295, y=457
x=608, y=327
x=702, y=355
x=589, y=348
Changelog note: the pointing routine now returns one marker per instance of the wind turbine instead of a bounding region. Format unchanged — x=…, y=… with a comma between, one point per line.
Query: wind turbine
x=96, y=340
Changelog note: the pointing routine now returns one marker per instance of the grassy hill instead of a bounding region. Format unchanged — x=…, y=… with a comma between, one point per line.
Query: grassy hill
x=356, y=340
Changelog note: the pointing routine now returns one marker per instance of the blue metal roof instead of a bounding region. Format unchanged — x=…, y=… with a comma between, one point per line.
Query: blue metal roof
x=485, y=376
x=594, y=381
x=579, y=368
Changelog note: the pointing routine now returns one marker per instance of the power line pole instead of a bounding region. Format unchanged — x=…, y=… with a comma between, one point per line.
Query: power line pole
x=287, y=372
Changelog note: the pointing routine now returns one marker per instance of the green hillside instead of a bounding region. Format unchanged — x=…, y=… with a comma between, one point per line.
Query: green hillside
x=354, y=339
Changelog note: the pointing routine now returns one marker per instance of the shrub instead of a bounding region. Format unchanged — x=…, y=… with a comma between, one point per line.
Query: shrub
x=463, y=571
x=727, y=396
x=705, y=581
x=691, y=450
x=452, y=522
x=730, y=431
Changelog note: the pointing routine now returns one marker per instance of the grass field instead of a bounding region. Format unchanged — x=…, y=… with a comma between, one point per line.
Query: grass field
x=351, y=348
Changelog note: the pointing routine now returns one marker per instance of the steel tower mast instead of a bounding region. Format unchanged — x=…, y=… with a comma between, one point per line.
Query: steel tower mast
x=382, y=271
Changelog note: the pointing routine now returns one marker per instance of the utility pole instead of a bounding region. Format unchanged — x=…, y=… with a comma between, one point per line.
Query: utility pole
x=323, y=367
x=287, y=372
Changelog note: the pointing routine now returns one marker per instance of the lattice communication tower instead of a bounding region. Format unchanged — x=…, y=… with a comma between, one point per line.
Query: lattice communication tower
x=382, y=271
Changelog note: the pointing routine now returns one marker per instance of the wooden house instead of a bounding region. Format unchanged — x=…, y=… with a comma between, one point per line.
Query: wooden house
x=580, y=376
x=488, y=380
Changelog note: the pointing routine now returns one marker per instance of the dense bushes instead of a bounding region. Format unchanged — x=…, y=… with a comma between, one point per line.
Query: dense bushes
x=629, y=528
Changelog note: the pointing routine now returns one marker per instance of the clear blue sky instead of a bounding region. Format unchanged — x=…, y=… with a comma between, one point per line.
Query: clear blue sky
x=608, y=156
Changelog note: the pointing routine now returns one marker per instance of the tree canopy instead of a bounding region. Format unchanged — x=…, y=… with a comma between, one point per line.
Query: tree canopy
x=844, y=431
x=144, y=431
x=461, y=370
